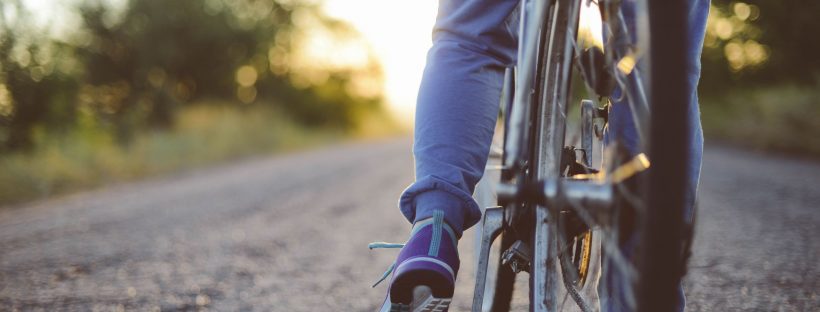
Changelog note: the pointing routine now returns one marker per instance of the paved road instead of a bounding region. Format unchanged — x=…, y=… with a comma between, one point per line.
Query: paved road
x=289, y=233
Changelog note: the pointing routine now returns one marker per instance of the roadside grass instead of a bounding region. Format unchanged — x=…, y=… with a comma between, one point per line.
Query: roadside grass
x=782, y=119
x=779, y=118
x=203, y=135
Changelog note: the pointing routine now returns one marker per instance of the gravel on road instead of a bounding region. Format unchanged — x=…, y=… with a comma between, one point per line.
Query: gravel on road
x=290, y=233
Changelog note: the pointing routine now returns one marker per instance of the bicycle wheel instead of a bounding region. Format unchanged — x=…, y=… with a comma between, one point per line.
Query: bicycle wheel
x=553, y=82
x=662, y=260
x=645, y=261
x=542, y=159
x=643, y=235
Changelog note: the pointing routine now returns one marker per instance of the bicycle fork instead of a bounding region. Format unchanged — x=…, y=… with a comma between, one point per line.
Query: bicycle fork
x=493, y=223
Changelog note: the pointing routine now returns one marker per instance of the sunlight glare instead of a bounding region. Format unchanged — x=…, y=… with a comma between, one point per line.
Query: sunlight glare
x=590, y=31
x=399, y=32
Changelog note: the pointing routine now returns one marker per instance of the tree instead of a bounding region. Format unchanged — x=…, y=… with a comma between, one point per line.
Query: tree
x=755, y=42
x=35, y=90
x=137, y=64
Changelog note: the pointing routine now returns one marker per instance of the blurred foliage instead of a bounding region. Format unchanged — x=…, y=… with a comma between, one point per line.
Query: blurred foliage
x=204, y=134
x=35, y=87
x=757, y=43
x=761, y=74
x=131, y=67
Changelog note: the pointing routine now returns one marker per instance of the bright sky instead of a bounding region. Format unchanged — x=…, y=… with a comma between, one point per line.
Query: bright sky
x=399, y=31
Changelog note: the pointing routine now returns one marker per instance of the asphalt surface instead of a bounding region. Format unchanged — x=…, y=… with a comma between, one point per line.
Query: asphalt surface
x=289, y=233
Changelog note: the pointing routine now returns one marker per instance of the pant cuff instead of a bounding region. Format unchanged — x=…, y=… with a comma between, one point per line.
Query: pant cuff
x=426, y=195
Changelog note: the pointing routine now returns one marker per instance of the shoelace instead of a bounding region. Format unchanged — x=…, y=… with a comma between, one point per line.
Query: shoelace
x=383, y=245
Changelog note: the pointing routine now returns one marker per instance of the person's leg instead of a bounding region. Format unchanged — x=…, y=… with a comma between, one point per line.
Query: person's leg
x=621, y=126
x=473, y=41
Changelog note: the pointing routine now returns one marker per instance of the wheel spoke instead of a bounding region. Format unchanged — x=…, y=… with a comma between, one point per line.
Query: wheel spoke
x=609, y=245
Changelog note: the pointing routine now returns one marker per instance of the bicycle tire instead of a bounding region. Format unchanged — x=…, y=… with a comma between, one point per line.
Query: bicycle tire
x=661, y=260
x=552, y=83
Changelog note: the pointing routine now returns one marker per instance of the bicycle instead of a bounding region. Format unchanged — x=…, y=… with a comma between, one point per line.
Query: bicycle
x=557, y=213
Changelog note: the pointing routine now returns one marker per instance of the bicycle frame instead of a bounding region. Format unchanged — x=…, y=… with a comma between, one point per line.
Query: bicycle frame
x=550, y=191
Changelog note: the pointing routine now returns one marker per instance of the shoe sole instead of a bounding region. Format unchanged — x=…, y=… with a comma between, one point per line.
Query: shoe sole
x=423, y=301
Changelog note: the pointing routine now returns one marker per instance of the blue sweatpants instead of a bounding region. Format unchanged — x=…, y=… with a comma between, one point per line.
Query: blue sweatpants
x=457, y=108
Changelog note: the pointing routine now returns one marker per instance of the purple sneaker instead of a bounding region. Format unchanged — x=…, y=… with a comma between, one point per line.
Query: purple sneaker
x=425, y=272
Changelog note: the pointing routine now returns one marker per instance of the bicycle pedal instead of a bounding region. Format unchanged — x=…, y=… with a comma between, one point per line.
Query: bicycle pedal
x=517, y=257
